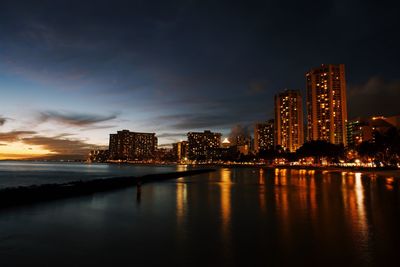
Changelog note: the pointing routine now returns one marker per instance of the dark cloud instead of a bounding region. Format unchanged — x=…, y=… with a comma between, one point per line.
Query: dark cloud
x=169, y=138
x=167, y=135
x=75, y=119
x=239, y=130
x=14, y=136
x=231, y=43
x=257, y=87
x=375, y=97
x=2, y=120
x=60, y=146
x=195, y=121
x=63, y=135
x=217, y=114
x=97, y=127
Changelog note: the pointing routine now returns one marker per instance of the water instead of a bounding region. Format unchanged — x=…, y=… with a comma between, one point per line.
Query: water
x=23, y=173
x=233, y=217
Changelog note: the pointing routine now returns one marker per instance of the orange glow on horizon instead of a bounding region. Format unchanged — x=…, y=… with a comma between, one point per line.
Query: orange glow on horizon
x=19, y=150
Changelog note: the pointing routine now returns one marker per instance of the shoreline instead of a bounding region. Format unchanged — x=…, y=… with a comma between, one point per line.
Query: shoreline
x=377, y=171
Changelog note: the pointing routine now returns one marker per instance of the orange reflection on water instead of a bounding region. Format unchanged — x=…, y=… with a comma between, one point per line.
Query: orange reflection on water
x=354, y=204
x=303, y=173
x=261, y=177
x=261, y=193
x=225, y=187
x=301, y=183
x=276, y=177
x=360, y=201
x=282, y=201
x=181, y=200
x=280, y=177
x=312, y=195
x=389, y=183
x=294, y=172
x=181, y=167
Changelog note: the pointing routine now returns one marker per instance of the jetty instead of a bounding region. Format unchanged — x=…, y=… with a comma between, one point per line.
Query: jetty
x=38, y=193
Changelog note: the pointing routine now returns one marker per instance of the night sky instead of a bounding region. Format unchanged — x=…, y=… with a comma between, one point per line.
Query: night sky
x=71, y=72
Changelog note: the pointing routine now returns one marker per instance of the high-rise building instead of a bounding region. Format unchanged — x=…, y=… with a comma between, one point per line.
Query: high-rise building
x=289, y=120
x=181, y=151
x=327, y=104
x=126, y=145
x=264, y=136
x=203, y=145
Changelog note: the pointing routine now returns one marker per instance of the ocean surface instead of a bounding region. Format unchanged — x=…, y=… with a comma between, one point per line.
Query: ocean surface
x=23, y=173
x=232, y=217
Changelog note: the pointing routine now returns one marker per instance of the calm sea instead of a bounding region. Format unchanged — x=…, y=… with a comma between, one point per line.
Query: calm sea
x=232, y=217
x=22, y=173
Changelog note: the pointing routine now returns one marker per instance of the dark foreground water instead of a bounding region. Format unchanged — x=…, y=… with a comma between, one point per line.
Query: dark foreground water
x=233, y=217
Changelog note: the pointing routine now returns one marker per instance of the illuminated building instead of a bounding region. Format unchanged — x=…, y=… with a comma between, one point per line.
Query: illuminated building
x=98, y=156
x=126, y=145
x=226, y=143
x=364, y=129
x=242, y=140
x=326, y=104
x=181, y=150
x=289, y=120
x=264, y=136
x=243, y=144
x=383, y=123
x=358, y=131
x=165, y=154
x=203, y=145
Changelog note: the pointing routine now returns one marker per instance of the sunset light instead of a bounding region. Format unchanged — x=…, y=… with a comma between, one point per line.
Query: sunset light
x=19, y=150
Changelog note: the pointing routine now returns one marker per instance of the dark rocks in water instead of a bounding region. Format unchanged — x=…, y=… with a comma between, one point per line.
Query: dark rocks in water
x=36, y=193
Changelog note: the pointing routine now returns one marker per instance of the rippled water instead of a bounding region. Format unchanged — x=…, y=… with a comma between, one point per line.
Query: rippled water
x=233, y=217
x=23, y=173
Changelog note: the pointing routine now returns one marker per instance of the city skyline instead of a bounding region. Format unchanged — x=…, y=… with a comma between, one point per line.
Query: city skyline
x=67, y=84
x=39, y=151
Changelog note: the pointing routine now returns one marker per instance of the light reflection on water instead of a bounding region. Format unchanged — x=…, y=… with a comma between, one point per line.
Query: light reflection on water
x=261, y=190
x=181, y=198
x=354, y=206
x=225, y=187
x=230, y=217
